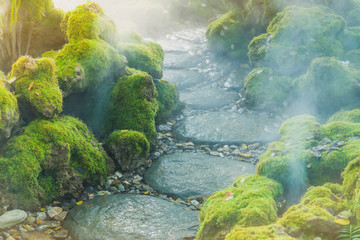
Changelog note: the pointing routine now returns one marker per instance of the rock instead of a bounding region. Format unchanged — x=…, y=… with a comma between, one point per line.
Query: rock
x=37, y=236
x=194, y=174
x=207, y=98
x=183, y=78
x=225, y=127
x=61, y=216
x=54, y=212
x=12, y=218
x=146, y=218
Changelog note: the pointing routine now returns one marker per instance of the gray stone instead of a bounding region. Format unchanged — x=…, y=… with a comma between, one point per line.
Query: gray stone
x=226, y=127
x=207, y=98
x=12, y=218
x=194, y=174
x=128, y=217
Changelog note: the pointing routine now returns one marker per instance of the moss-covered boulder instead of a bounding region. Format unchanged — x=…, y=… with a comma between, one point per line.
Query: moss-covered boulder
x=88, y=21
x=168, y=100
x=134, y=105
x=266, y=90
x=315, y=214
x=351, y=185
x=129, y=148
x=274, y=231
x=339, y=84
x=295, y=37
x=310, y=153
x=84, y=64
x=51, y=158
x=143, y=55
x=9, y=112
x=352, y=116
x=250, y=201
x=36, y=87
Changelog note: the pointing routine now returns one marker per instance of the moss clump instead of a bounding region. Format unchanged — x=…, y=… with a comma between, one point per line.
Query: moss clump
x=36, y=87
x=267, y=90
x=142, y=55
x=352, y=116
x=295, y=37
x=129, y=148
x=250, y=201
x=52, y=158
x=168, y=100
x=9, y=112
x=337, y=81
x=88, y=21
x=302, y=155
x=134, y=105
x=82, y=65
x=258, y=233
x=312, y=218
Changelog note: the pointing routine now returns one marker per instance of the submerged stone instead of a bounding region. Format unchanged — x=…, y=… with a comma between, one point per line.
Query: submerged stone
x=194, y=174
x=226, y=127
x=130, y=217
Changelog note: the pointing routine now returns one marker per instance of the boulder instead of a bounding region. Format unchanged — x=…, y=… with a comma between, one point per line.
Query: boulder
x=12, y=218
x=36, y=87
x=129, y=148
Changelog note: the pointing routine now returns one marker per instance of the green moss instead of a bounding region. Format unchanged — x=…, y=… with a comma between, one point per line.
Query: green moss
x=311, y=218
x=50, y=54
x=250, y=201
x=258, y=233
x=36, y=86
x=144, y=56
x=134, y=105
x=267, y=90
x=337, y=81
x=351, y=38
x=340, y=130
x=9, y=112
x=295, y=37
x=129, y=148
x=82, y=65
x=298, y=128
x=346, y=116
x=40, y=164
x=168, y=100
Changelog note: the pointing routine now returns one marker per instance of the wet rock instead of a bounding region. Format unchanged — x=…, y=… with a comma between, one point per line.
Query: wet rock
x=227, y=127
x=194, y=174
x=37, y=236
x=12, y=218
x=128, y=217
x=207, y=98
x=54, y=211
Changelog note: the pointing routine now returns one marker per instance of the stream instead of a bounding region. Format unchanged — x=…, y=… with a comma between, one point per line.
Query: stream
x=214, y=141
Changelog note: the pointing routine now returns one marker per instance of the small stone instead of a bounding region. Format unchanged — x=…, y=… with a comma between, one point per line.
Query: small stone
x=12, y=218
x=326, y=140
x=214, y=153
x=49, y=231
x=30, y=220
x=103, y=193
x=194, y=202
x=121, y=188
x=51, y=224
x=54, y=211
x=42, y=228
x=254, y=146
x=345, y=215
x=118, y=174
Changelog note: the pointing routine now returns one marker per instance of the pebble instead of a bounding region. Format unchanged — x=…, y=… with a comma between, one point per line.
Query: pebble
x=194, y=202
x=12, y=218
x=118, y=174
x=54, y=212
x=214, y=153
x=103, y=193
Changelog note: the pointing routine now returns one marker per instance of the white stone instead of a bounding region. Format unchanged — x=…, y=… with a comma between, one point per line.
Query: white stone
x=12, y=218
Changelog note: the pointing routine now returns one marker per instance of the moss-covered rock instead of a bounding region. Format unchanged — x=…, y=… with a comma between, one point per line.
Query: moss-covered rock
x=88, y=21
x=352, y=116
x=52, y=158
x=351, y=185
x=250, y=201
x=295, y=37
x=310, y=153
x=315, y=214
x=142, y=55
x=266, y=90
x=134, y=105
x=9, y=112
x=83, y=65
x=168, y=100
x=129, y=148
x=339, y=84
x=36, y=87
x=258, y=233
